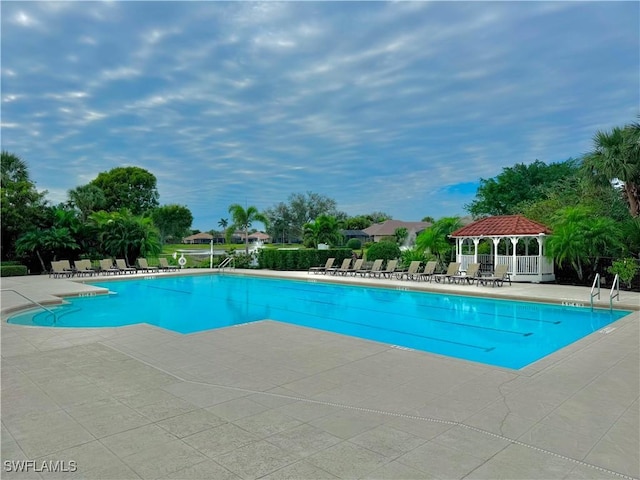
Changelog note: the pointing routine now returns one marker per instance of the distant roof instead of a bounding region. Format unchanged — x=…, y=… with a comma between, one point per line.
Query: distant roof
x=388, y=227
x=354, y=232
x=199, y=236
x=502, y=225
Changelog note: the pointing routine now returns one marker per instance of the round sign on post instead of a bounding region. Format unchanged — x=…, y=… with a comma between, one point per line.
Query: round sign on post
x=182, y=261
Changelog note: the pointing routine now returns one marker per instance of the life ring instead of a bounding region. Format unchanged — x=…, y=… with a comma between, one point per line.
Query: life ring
x=182, y=261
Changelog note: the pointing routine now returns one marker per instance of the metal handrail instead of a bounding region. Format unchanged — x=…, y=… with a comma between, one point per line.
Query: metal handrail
x=596, y=282
x=616, y=287
x=226, y=262
x=55, y=317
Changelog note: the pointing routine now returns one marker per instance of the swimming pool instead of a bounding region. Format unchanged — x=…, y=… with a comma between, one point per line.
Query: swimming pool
x=495, y=332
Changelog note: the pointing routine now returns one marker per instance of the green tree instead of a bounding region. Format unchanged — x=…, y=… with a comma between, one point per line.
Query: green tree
x=580, y=238
x=22, y=207
x=87, y=199
x=515, y=185
x=48, y=242
x=172, y=221
x=244, y=218
x=325, y=229
x=301, y=209
x=435, y=239
x=122, y=234
x=401, y=234
x=616, y=156
x=133, y=188
x=223, y=223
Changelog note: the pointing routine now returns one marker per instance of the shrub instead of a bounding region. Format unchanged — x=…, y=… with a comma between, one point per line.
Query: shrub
x=625, y=268
x=12, y=270
x=301, y=259
x=385, y=249
x=354, y=244
x=413, y=254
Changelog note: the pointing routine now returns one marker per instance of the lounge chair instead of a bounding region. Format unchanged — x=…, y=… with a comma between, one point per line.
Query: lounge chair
x=346, y=263
x=122, y=266
x=328, y=265
x=471, y=275
x=500, y=274
x=357, y=265
x=411, y=273
x=144, y=265
x=67, y=267
x=377, y=265
x=429, y=270
x=453, y=272
x=391, y=269
x=84, y=267
x=164, y=265
x=58, y=270
x=107, y=267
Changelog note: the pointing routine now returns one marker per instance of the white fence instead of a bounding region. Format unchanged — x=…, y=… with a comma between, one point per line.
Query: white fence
x=526, y=264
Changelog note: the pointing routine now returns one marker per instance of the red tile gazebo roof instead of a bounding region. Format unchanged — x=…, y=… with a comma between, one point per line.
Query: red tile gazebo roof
x=504, y=225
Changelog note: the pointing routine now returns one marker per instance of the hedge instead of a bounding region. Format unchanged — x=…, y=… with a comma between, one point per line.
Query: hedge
x=302, y=259
x=13, y=270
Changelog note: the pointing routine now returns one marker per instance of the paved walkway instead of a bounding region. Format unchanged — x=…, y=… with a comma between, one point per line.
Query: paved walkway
x=277, y=401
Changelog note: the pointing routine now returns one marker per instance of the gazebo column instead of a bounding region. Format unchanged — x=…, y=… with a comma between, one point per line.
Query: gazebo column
x=540, y=256
x=496, y=241
x=476, y=241
x=514, y=242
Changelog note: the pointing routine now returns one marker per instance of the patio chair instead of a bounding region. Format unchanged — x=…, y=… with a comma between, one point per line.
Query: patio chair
x=164, y=265
x=412, y=272
x=67, y=267
x=357, y=265
x=323, y=269
x=343, y=268
x=377, y=265
x=107, y=267
x=144, y=265
x=500, y=274
x=453, y=272
x=429, y=270
x=58, y=270
x=122, y=266
x=471, y=275
x=84, y=267
x=392, y=266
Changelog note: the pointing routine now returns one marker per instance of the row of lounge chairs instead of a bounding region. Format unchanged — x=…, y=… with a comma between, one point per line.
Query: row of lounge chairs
x=414, y=272
x=63, y=268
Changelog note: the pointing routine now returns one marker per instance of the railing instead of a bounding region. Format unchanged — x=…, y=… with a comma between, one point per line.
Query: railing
x=595, y=287
x=225, y=263
x=55, y=318
x=616, y=287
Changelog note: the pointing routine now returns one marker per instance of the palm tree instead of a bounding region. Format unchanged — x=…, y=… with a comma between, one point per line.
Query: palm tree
x=325, y=229
x=580, y=238
x=14, y=169
x=242, y=220
x=52, y=241
x=223, y=223
x=125, y=235
x=88, y=199
x=617, y=156
x=434, y=240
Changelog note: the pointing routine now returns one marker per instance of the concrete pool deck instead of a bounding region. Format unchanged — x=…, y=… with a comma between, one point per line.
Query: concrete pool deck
x=277, y=401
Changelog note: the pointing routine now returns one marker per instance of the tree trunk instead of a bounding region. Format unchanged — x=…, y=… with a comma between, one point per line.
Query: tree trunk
x=44, y=268
x=246, y=240
x=633, y=198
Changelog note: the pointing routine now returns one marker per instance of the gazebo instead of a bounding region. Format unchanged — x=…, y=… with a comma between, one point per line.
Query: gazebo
x=508, y=239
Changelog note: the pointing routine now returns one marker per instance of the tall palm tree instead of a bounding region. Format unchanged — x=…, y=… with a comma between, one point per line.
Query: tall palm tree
x=617, y=156
x=14, y=169
x=242, y=220
x=88, y=199
x=223, y=223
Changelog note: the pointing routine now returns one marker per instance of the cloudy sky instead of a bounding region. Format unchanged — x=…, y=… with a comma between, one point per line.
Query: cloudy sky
x=396, y=107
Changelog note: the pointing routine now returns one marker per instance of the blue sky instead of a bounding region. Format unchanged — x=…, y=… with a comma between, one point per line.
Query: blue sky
x=397, y=107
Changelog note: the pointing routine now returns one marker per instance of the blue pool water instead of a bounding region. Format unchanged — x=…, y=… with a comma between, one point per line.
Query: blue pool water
x=496, y=332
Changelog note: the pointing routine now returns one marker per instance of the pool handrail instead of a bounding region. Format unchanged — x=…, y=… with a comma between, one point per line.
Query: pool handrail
x=596, y=283
x=55, y=318
x=616, y=287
